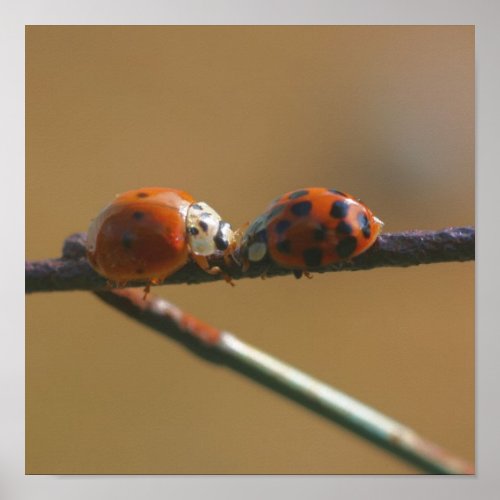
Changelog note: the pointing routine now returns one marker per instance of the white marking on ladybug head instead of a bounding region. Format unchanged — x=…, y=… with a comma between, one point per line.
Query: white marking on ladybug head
x=257, y=251
x=207, y=232
x=253, y=244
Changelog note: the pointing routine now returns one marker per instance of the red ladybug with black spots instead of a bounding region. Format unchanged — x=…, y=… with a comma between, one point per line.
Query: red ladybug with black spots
x=149, y=233
x=310, y=228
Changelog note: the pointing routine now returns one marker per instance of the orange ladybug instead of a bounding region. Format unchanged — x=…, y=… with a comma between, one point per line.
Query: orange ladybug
x=310, y=228
x=149, y=233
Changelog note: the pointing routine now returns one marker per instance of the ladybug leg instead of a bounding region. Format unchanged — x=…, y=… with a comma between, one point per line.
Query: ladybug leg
x=245, y=265
x=202, y=261
x=147, y=288
x=264, y=276
x=228, y=279
x=298, y=273
x=238, y=233
x=230, y=254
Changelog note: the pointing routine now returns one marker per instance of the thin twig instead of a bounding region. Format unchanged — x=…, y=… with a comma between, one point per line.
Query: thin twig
x=224, y=348
x=410, y=248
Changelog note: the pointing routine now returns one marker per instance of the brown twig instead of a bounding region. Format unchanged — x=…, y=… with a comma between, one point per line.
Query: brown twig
x=224, y=348
x=410, y=248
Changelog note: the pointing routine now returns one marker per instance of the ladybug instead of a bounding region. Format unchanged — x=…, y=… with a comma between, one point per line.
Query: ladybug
x=309, y=228
x=149, y=233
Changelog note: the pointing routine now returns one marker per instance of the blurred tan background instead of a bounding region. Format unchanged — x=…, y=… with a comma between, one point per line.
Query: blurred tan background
x=237, y=116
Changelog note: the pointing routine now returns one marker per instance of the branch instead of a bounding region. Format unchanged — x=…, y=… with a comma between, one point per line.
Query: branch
x=409, y=248
x=224, y=348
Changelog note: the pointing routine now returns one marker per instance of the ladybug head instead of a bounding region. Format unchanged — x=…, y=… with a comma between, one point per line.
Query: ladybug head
x=254, y=242
x=207, y=232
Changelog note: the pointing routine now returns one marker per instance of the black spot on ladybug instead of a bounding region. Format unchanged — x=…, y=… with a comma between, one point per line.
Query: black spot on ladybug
x=346, y=247
x=320, y=233
x=138, y=215
x=276, y=210
x=203, y=225
x=127, y=239
x=142, y=194
x=301, y=208
x=334, y=191
x=196, y=206
x=339, y=209
x=312, y=257
x=192, y=230
x=343, y=227
x=282, y=226
x=364, y=225
x=220, y=242
x=284, y=246
x=298, y=194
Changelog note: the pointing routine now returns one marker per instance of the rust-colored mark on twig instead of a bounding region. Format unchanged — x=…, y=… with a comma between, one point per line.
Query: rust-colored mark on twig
x=203, y=331
x=435, y=454
x=155, y=308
